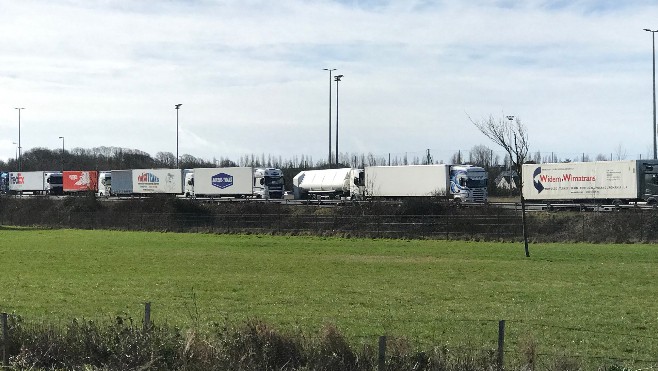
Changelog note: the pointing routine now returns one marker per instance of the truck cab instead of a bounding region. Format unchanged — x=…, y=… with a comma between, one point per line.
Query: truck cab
x=268, y=183
x=4, y=182
x=188, y=184
x=104, y=184
x=648, y=181
x=53, y=183
x=468, y=183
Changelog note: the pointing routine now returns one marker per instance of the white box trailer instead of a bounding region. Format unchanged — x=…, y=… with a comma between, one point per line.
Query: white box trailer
x=407, y=181
x=616, y=181
x=29, y=181
x=168, y=181
x=225, y=181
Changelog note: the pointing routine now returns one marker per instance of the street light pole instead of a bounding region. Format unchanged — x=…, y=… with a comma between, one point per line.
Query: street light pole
x=15, y=152
x=653, y=41
x=337, y=79
x=177, y=108
x=330, y=70
x=62, y=138
x=511, y=118
x=20, y=164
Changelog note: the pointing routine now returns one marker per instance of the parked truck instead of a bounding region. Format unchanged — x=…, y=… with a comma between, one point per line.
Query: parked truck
x=459, y=182
x=613, y=182
x=234, y=182
x=35, y=182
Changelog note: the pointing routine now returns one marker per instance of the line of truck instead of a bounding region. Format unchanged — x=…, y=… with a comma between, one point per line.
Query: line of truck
x=459, y=182
x=201, y=182
x=611, y=182
x=48, y=182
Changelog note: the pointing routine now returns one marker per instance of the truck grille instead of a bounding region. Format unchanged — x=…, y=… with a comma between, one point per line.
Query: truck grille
x=479, y=195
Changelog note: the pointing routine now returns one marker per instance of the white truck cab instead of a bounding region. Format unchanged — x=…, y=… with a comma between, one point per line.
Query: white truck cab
x=104, y=184
x=468, y=183
x=268, y=183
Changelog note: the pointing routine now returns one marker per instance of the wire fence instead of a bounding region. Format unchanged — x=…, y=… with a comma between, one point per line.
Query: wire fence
x=499, y=344
x=498, y=225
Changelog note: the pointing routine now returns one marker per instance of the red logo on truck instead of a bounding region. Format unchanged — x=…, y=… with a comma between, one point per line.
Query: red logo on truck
x=76, y=181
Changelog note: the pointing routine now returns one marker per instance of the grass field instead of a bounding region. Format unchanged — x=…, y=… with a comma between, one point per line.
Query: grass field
x=587, y=300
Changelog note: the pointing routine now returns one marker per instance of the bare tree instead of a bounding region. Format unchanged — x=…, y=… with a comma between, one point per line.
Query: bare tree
x=166, y=159
x=620, y=152
x=481, y=155
x=511, y=135
x=456, y=158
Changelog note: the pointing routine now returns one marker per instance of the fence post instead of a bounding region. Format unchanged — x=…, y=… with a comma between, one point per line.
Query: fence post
x=147, y=316
x=447, y=225
x=381, y=364
x=5, y=341
x=641, y=226
x=501, y=344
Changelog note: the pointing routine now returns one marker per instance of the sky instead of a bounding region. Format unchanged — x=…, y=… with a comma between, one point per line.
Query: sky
x=249, y=75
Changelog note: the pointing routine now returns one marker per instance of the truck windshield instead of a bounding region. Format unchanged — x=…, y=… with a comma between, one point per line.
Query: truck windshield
x=269, y=181
x=55, y=179
x=473, y=183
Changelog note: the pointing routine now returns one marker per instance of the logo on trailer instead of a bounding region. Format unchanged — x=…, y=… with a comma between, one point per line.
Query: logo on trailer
x=148, y=178
x=222, y=180
x=82, y=179
x=16, y=179
x=538, y=186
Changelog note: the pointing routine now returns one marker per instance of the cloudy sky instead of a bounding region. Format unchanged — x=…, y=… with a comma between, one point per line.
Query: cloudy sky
x=250, y=76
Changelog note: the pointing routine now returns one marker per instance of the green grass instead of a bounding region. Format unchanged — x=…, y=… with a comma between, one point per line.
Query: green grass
x=432, y=292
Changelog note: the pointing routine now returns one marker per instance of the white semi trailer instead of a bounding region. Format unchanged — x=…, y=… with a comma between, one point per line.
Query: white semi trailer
x=234, y=182
x=459, y=182
x=615, y=182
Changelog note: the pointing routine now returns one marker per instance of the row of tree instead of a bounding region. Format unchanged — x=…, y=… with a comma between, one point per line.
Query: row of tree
x=107, y=158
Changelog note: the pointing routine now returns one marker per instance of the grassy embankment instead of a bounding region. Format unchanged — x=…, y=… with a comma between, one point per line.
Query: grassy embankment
x=431, y=292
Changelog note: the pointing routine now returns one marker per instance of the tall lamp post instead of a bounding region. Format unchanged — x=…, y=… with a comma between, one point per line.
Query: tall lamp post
x=20, y=164
x=337, y=79
x=177, y=108
x=653, y=41
x=62, y=138
x=511, y=118
x=330, y=71
x=15, y=152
